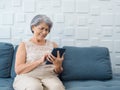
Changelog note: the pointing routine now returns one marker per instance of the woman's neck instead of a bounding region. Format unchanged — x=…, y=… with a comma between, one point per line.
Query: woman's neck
x=39, y=42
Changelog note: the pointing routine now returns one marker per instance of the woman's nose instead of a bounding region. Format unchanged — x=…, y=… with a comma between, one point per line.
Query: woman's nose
x=44, y=31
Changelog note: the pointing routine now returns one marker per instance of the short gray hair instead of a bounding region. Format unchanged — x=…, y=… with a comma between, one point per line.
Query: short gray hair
x=39, y=19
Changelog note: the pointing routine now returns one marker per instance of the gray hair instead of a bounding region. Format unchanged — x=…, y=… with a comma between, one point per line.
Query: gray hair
x=39, y=19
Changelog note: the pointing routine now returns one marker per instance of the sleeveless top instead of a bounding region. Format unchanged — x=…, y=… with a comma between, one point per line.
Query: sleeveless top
x=35, y=52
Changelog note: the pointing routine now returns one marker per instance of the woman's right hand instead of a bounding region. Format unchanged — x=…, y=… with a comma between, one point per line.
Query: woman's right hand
x=43, y=58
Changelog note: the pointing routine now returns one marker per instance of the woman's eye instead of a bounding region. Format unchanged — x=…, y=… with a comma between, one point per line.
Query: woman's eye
x=41, y=28
x=46, y=30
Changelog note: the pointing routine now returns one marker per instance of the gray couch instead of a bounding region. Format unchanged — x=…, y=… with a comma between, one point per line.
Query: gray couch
x=85, y=68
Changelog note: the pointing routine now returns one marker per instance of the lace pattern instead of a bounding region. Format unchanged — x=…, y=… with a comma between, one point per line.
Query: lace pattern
x=35, y=52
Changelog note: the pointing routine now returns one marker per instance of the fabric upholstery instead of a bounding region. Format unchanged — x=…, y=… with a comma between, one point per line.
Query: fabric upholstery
x=113, y=84
x=6, y=84
x=86, y=63
x=77, y=61
x=13, y=74
x=95, y=88
x=6, y=55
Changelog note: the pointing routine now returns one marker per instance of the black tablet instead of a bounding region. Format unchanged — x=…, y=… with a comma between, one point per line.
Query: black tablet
x=61, y=51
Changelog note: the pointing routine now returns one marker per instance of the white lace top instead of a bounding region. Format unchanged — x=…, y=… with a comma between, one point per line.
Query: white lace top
x=35, y=52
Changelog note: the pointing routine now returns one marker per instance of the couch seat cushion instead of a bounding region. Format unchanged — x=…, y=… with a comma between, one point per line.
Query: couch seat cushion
x=86, y=63
x=95, y=88
x=6, y=54
x=113, y=84
x=6, y=84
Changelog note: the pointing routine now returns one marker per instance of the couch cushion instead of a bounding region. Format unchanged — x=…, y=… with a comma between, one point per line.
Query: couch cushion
x=13, y=74
x=6, y=84
x=96, y=88
x=86, y=63
x=6, y=53
x=113, y=84
x=6, y=88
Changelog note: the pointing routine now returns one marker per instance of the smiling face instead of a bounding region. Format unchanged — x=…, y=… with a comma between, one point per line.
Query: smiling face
x=41, y=31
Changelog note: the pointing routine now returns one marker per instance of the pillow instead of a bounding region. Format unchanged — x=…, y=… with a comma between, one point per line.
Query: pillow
x=6, y=53
x=13, y=74
x=86, y=63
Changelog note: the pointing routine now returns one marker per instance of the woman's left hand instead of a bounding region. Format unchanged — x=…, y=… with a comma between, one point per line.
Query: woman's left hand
x=57, y=61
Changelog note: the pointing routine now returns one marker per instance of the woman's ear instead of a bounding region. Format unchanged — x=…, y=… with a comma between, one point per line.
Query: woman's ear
x=32, y=28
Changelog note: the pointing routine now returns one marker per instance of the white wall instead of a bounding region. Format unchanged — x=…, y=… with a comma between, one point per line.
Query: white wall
x=76, y=22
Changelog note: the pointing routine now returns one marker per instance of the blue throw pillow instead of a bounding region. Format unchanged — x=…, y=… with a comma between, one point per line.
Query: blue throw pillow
x=6, y=54
x=86, y=63
x=13, y=74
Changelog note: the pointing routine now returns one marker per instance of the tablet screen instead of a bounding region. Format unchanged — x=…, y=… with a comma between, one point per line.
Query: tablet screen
x=61, y=51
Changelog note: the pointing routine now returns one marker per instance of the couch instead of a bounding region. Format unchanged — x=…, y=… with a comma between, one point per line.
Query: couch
x=85, y=68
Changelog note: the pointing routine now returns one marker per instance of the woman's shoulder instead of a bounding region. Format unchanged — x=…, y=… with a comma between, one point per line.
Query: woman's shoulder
x=54, y=44
x=21, y=46
x=24, y=44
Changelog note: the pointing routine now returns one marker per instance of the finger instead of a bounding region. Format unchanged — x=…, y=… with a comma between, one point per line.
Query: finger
x=46, y=54
x=58, y=54
x=48, y=59
x=51, y=58
x=63, y=56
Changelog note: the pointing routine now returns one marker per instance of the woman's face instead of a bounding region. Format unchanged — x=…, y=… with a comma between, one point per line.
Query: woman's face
x=41, y=31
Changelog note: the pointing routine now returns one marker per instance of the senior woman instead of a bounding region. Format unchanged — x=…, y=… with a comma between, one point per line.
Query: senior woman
x=32, y=71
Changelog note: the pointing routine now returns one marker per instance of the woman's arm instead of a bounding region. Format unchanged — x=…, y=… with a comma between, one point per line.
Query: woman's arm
x=57, y=61
x=20, y=65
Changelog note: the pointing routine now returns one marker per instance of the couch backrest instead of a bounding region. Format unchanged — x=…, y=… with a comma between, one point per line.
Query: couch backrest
x=81, y=63
x=6, y=56
x=13, y=74
x=86, y=63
